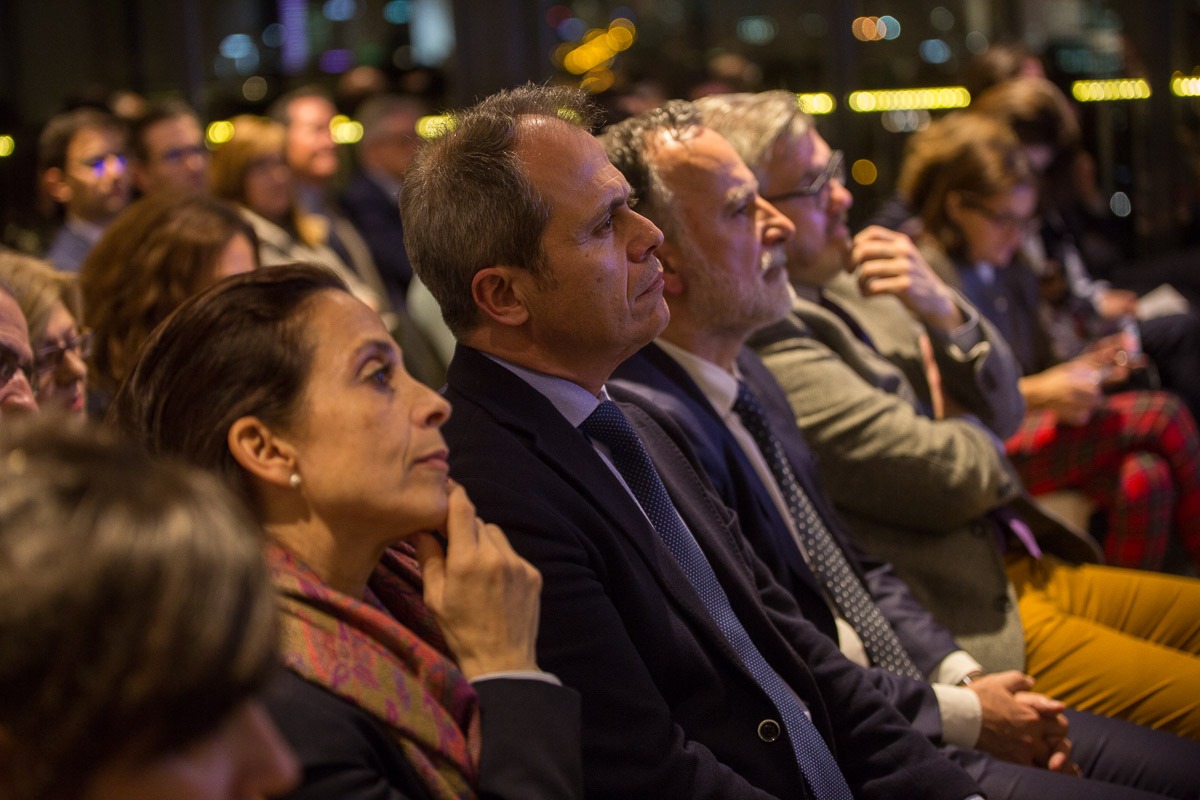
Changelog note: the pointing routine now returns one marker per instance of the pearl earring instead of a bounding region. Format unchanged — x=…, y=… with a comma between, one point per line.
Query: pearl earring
x=294, y=480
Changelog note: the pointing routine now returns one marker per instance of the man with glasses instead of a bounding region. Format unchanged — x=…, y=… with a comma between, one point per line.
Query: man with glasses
x=923, y=483
x=724, y=263
x=168, y=150
x=82, y=161
x=16, y=359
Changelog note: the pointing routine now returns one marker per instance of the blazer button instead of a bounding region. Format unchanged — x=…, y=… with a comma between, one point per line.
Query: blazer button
x=768, y=730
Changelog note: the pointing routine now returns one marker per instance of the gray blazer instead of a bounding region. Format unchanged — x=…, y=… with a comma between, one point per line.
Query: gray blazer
x=916, y=491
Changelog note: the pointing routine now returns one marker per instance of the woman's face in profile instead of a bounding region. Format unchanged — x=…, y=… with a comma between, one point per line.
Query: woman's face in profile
x=268, y=186
x=367, y=442
x=61, y=368
x=993, y=227
x=246, y=758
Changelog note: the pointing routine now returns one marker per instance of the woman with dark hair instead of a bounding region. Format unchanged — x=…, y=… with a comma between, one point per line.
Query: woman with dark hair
x=409, y=624
x=1135, y=454
x=138, y=628
x=49, y=299
x=157, y=253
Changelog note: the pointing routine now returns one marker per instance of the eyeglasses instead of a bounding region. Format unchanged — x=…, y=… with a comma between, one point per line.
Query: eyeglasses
x=1010, y=222
x=178, y=154
x=50, y=357
x=821, y=186
x=11, y=363
x=97, y=164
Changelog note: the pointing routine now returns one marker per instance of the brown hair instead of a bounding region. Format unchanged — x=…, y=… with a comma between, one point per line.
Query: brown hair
x=1036, y=110
x=963, y=152
x=467, y=203
x=55, y=138
x=135, y=611
x=237, y=349
x=37, y=287
x=158, y=252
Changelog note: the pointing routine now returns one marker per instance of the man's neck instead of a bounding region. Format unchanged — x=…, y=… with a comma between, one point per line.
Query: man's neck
x=720, y=348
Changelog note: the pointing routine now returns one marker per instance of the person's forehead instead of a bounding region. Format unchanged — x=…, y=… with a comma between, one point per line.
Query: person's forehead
x=704, y=159
x=182, y=127
x=565, y=163
x=12, y=325
x=94, y=141
x=310, y=107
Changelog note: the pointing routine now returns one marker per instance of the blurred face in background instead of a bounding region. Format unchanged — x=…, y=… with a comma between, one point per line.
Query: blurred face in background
x=94, y=185
x=60, y=356
x=311, y=151
x=16, y=361
x=268, y=187
x=175, y=157
x=993, y=227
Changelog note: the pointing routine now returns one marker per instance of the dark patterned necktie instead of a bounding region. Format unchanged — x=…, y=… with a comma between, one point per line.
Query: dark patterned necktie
x=825, y=556
x=609, y=426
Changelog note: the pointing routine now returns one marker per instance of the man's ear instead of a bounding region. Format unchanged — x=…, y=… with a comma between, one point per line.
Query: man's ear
x=55, y=182
x=260, y=452
x=670, y=258
x=499, y=293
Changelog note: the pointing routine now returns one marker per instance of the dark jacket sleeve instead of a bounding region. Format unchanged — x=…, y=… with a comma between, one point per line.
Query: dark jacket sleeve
x=530, y=744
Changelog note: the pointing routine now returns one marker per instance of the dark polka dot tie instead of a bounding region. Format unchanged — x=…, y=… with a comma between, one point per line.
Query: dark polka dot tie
x=608, y=425
x=825, y=556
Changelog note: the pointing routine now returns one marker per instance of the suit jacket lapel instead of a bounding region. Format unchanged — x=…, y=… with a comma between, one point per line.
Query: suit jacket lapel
x=568, y=451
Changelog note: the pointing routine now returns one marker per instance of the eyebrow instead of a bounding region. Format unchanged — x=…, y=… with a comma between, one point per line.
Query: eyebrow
x=738, y=194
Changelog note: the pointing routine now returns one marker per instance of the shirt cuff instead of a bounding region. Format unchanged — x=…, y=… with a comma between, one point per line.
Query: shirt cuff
x=962, y=714
x=965, y=337
x=954, y=667
x=519, y=675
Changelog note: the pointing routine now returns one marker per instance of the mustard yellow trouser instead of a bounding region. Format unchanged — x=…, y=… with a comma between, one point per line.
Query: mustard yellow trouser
x=1118, y=642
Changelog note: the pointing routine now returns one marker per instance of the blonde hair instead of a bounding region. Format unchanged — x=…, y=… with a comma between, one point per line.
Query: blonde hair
x=38, y=287
x=255, y=138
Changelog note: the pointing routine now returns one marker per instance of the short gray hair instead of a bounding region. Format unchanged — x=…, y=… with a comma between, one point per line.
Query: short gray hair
x=753, y=123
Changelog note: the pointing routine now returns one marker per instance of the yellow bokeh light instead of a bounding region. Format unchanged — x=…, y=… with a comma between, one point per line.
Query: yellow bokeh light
x=569, y=115
x=593, y=33
x=909, y=99
x=219, y=132
x=597, y=81
x=1182, y=86
x=1109, y=90
x=7, y=145
x=347, y=131
x=864, y=172
x=619, y=39
x=559, y=56
x=622, y=22
x=434, y=125
x=815, y=103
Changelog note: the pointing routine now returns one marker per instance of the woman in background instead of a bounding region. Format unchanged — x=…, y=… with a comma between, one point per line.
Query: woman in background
x=409, y=624
x=1135, y=455
x=157, y=253
x=49, y=299
x=138, y=627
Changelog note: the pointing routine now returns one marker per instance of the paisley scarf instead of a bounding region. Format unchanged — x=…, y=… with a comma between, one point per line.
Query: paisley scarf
x=386, y=655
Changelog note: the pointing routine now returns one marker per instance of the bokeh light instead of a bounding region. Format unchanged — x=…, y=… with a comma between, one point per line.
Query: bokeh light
x=219, y=132
x=1120, y=204
x=7, y=146
x=254, y=88
x=864, y=172
x=1107, y=90
x=434, y=125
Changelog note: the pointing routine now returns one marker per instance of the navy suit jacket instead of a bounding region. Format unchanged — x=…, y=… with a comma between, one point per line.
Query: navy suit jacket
x=669, y=711
x=376, y=216
x=654, y=380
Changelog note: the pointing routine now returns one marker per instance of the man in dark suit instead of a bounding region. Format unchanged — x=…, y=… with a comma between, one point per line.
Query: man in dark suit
x=371, y=198
x=699, y=676
x=720, y=288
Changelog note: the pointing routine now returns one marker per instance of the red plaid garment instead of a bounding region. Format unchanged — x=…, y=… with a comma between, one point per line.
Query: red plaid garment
x=1136, y=458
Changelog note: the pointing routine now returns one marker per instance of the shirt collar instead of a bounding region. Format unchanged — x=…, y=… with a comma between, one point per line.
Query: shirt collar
x=572, y=401
x=718, y=385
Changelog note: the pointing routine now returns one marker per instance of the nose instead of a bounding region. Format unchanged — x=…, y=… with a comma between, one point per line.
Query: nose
x=71, y=368
x=430, y=409
x=840, y=199
x=777, y=228
x=646, y=240
x=114, y=164
x=17, y=396
x=268, y=765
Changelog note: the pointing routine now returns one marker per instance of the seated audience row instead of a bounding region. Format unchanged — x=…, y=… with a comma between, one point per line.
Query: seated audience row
x=747, y=635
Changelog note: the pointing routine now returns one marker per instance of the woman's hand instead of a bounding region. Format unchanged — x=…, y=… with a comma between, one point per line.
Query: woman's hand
x=484, y=595
x=1071, y=390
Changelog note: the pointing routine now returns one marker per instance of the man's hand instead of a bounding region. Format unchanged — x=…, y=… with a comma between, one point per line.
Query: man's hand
x=1021, y=726
x=887, y=262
